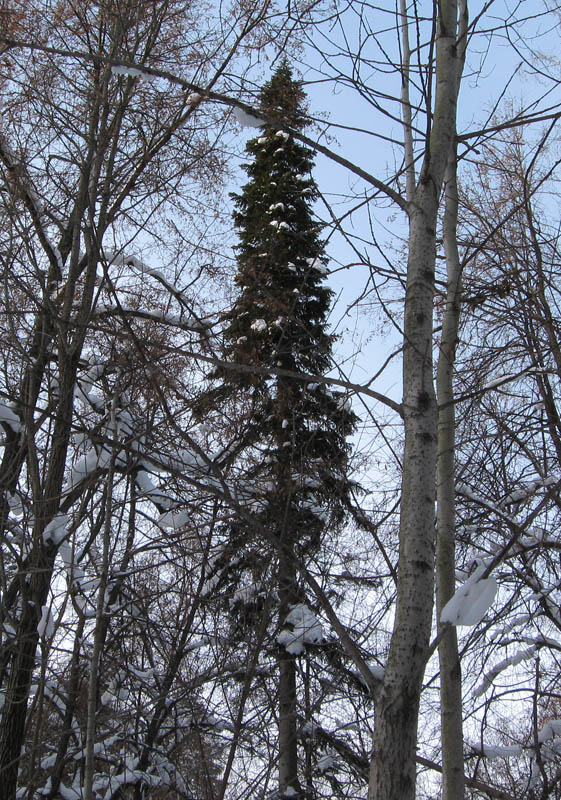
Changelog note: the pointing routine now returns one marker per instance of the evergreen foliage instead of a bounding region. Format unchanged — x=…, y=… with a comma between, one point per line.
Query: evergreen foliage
x=293, y=476
x=279, y=322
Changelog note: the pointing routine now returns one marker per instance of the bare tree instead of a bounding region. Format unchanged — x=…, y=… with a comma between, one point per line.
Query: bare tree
x=106, y=157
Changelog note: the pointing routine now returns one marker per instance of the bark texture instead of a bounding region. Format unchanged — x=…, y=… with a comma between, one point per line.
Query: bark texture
x=450, y=669
x=393, y=773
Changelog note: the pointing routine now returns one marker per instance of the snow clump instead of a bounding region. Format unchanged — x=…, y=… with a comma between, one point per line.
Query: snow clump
x=247, y=120
x=471, y=601
x=307, y=629
x=259, y=325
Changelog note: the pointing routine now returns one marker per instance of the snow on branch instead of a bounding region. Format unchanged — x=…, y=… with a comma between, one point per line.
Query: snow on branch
x=529, y=489
x=306, y=629
x=10, y=418
x=129, y=260
x=511, y=661
x=471, y=601
x=246, y=119
x=497, y=751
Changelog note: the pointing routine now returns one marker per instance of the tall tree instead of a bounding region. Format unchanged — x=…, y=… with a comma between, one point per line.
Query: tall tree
x=296, y=426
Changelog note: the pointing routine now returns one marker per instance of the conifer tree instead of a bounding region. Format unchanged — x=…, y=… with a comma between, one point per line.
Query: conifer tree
x=297, y=428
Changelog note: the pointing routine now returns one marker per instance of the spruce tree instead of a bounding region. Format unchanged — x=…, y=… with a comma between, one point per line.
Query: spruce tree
x=297, y=428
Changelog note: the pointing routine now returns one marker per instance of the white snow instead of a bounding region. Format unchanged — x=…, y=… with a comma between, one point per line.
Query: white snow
x=259, y=325
x=376, y=671
x=193, y=98
x=307, y=629
x=15, y=503
x=326, y=763
x=87, y=464
x=517, y=658
x=520, y=619
x=498, y=381
x=68, y=793
x=309, y=728
x=528, y=489
x=173, y=519
x=498, y=751
x=319, y=266
x=132, y=72
x=46, y=626
x=210, y=584
x=8, y=629
x=8, y=416
x=247, y=120
x=243, y=595
x=55, y=531
x=471, y=601
x=549, y=730
x=106, y=698
x=150, y=491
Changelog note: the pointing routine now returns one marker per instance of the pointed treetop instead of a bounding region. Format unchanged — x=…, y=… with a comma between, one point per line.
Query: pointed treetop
x=282, y=98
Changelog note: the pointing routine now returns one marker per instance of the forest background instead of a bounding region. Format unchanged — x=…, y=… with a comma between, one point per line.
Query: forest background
x=415, y=650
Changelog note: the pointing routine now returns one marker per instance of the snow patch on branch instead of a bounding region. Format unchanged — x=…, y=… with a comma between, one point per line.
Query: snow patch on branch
x=498, y=751
x=549, y=730
x=306, y=629
x=55, y=531
x=10, y=418
x=471, y=601
x=517, y=658
x=259, y=326
x=46, y=626
x=499, y=381
x=173, y=519
x=247, y=120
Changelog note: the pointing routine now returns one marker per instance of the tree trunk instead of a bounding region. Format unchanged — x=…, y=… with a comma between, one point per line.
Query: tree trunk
x=100, y=618
x=450, y=671
x=393, y=773
x=288, y=744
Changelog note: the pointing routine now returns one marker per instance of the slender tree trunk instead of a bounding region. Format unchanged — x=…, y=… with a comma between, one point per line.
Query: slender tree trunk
x=288, y=743
x=450, y=670
x=35, y=582
x=288, y=596
x=395, y=737
x=17, y=691
x=393, y=772
x=100, y=617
